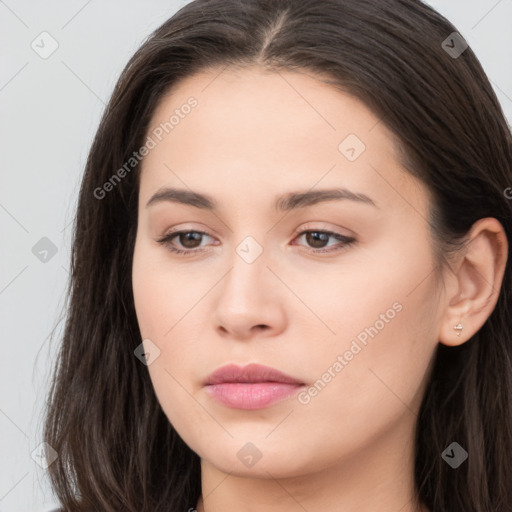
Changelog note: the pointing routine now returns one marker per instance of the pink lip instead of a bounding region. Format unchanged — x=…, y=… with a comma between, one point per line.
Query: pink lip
x=250, y=387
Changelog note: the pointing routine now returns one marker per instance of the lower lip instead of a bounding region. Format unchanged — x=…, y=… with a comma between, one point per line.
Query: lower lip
x=254, y=395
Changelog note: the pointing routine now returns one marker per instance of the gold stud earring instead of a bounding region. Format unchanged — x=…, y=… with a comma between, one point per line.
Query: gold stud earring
x=458, y=328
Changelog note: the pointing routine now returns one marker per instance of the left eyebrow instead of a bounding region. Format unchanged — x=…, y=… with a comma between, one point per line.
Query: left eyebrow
x=286, y=202
x=302, y=199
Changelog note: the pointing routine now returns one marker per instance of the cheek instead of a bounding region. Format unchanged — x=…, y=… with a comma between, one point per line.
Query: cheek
x=162, y=293
x=378, y=386
x=163, y=298
x=385, y=319
x=382, y=307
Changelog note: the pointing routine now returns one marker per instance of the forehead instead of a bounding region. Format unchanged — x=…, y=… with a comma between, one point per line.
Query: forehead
x=294, y=106
x=256, y=131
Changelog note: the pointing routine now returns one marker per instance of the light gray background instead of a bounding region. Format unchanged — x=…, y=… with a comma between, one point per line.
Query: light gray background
x=49, y=111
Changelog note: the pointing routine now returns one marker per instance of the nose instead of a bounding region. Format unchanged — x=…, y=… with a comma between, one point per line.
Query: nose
x=249, y=301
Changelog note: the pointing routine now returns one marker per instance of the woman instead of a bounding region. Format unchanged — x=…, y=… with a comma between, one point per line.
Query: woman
x=290, y=277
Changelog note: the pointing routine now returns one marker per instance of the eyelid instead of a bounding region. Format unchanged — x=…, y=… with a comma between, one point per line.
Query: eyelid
x=320, y=226
x=185, y=229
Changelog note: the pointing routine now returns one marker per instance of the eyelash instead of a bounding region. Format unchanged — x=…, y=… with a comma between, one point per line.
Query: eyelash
x=347, y=241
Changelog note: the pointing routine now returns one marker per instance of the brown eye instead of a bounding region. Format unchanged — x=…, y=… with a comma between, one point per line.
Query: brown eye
x=318, y=240
x=189, y=239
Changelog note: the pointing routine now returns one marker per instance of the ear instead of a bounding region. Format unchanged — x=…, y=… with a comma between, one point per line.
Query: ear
x=474, y=290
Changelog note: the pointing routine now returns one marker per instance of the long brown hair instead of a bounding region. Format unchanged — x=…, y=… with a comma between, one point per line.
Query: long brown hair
x=117, y=450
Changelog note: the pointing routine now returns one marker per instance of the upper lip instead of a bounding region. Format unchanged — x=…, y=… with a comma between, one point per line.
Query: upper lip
x=250, y=373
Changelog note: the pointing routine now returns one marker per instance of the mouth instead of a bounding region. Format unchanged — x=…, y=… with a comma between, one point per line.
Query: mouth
x=250, y=387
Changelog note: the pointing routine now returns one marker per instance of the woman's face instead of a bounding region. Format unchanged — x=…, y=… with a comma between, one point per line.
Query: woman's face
x=353, y=315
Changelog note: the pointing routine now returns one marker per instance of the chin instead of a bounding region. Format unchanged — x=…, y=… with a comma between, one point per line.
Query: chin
x=257, y=457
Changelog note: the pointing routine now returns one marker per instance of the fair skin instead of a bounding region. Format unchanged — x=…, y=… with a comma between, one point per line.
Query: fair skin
x=255, y=136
